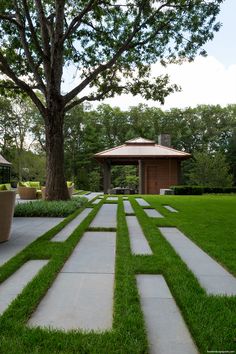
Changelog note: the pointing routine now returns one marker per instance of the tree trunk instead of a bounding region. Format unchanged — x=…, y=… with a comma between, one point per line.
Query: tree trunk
x=56, y=188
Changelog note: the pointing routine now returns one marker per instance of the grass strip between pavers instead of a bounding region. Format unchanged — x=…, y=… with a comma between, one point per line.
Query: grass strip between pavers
x=210, y=319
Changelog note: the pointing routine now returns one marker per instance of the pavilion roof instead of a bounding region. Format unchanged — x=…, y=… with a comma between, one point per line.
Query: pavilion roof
x=4, y=162
x=140, y=147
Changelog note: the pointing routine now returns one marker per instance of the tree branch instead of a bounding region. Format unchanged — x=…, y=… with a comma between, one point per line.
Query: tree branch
x=28, y=55
x=77, y=20
x=10, y=19
x=5, y=68
x=31, y=27
x=126, y=45
x=45, y=36
x=57, y=45
x=102, y=67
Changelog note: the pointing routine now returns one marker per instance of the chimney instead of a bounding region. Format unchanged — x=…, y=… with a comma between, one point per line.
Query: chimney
x=164, y=139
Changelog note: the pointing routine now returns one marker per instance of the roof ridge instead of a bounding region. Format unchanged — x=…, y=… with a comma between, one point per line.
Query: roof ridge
x=139, y=140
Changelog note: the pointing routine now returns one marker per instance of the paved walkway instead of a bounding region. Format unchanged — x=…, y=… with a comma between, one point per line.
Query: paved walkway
x=210, y=274
x=139, y=244
x=106, y=216
x=92, y=195
x=128, y=207
x=170, y=208
x=167, y=331
x=142, y=202
x=113, y=198
x=24, y=231
x=96, y=201
x=81, y=297
x=14, y=285
x=65, y=233
x=153, y=213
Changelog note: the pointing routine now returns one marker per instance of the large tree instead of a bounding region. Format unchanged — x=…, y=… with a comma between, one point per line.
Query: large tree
x=111, y=43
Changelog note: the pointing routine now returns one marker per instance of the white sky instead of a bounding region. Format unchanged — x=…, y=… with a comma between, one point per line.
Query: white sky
x=210, y=80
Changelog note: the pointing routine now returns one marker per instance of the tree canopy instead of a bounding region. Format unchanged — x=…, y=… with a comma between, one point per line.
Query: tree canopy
x=103, y=39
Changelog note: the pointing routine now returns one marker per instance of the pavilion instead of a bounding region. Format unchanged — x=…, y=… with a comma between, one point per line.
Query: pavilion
x=159, y=165
x=5, y=170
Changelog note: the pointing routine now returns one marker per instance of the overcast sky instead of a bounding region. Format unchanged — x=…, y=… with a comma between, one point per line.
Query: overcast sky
x=210, y=80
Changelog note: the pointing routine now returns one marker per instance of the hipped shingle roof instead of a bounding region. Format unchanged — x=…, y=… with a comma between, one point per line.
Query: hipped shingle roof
x=4, y=162
x=140, y=147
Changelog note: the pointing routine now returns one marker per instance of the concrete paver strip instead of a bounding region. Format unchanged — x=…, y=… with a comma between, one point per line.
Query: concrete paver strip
x=210, y=274
x=64, y=234
x=25, y=230
x=139, y=244
x=112, y=198
x=96, y=201
x=170, y=208
x=77, y=301
x=91, y=196
x=106, y=216
x=153, y=213
x=14, y=285
x=95, y=253
x=81, y=297
x=128, y=207
x=142, y=202
x=167, y=331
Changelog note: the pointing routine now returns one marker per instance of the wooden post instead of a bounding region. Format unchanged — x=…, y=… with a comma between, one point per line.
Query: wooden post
x=179, y=176
x=140, y=167
x=107, y=177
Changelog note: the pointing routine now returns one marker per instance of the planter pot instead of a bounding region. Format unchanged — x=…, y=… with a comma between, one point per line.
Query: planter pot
x=7, y=205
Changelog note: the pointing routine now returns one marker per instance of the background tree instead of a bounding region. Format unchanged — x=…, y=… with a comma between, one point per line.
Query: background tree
x=16, y=119
x=210, y=170
x=231, y=155
x=103, y=39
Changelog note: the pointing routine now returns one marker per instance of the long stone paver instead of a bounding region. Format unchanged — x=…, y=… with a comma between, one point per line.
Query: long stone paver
x=96, y=201
x=24, y=231
x=81, y=297
x=153, y=213
x=106, y=216
x=142, y=202
x=128, y=207
x=210, y=274
x=112, y=198
x=95, y=253
x=91, y=196
x=166, y=329
x=14, y=285
x=64, y=234
x=170, y=208
x=139, y=244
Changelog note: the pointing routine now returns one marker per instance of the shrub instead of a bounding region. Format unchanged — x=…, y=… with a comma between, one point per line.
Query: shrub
x=49, y=208
x=187, y=190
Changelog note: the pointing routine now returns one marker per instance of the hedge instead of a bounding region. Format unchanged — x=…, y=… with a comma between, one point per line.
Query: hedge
x=199, y=190
x=187, y=190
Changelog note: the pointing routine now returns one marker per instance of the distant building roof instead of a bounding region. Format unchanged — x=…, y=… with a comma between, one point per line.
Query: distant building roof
x=140, y=147
x=4, y=162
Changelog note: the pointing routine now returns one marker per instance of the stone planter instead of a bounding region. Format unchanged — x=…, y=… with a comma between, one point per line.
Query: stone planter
x=7, y=205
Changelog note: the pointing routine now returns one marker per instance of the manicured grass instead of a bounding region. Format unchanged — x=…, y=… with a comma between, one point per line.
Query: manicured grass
x=211, y=319
x=209, y=220
x=46, y=208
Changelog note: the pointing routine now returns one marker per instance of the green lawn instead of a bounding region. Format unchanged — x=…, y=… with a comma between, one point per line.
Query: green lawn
x=208, y=220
